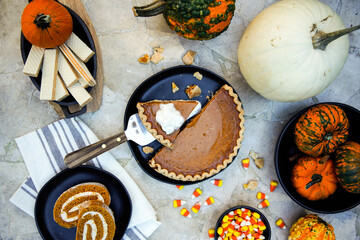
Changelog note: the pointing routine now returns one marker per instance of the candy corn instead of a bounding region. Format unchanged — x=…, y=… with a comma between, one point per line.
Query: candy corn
x=246, y=163
x=178, y=203
x=180, y=187
x=185, y=213
x=196, y=207
x=261, y=195
x=273, y=185
x=209, y=201
x=217, y=182
x=264, y=204
x=211, y=233
x=196, y=193
x=235, y=227
x=280, y=223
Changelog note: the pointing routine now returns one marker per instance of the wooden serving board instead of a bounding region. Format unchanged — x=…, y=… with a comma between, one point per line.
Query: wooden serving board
x=97, y=91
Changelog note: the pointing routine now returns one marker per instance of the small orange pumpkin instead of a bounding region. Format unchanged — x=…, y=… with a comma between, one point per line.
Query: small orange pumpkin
x=46, y=23
x=314, y=178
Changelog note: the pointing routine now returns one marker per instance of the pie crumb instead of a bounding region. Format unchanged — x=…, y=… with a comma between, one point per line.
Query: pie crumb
x=188, y=58
x=253, y=155
x=198, y=75
x=157, y=56
x=147, y=150
x=174, y=88
x=251, y=185
x=144, y=59
x=193, y=91
x=259, y=162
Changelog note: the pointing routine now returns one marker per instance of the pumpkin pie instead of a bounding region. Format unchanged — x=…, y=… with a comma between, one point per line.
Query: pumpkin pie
x=147, y=113
x=208, y=143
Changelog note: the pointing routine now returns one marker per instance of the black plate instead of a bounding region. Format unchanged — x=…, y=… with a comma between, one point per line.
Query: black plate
x=341, y=200
x=81, y=30
x=120, y=201
x=267, y=231
x=158, y=87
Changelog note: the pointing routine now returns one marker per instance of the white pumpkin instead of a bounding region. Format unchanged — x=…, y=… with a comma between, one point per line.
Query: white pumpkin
x=276, y=53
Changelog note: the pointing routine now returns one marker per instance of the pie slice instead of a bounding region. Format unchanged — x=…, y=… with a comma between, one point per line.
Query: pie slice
x=208, y=143
x=147, y=113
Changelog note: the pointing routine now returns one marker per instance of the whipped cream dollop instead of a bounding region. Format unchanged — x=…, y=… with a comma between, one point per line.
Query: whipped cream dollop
x=169, y=118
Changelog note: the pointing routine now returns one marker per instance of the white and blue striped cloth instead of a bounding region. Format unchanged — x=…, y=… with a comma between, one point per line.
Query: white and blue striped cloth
x=44, y=150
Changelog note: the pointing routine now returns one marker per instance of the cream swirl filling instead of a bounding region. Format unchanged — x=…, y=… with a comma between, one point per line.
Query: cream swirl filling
x=93, y=226
x=64, y=214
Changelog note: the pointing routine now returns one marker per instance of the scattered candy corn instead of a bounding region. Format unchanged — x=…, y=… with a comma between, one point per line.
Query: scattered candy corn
x=211, y=233
x=185, y=213
x=261, y=195
x=246, y=163
x=273, y=185
x=178, y=203
x=196, y=193
x=264, y=204
x=196, y=207
x=209, y=201
x=217, y=182
x=180, y=187
x=241, y=224
x=280, y=223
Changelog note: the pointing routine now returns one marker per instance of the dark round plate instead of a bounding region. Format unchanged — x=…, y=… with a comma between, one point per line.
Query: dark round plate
x=158, y=87
x=120, y=201
x=341, y=200
x=267, y=231
x=81, y=30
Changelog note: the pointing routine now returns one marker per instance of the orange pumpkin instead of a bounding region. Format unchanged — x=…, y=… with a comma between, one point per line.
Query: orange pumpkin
x=46, y=23
x=314, y=178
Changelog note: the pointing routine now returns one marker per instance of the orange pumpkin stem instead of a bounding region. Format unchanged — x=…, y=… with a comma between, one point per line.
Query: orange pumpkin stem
x=316, y=178
x=42, y=21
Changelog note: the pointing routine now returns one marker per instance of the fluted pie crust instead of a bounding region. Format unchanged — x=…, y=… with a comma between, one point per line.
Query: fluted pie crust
x=147, y=114
x=208, y=143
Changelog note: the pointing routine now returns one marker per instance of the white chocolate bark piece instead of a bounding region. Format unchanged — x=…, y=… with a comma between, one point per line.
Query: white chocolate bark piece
x=66, y=71
x=78, y=65
x=79, y=47
x=49, y=74
x=33, y=61
x=80, y=94
x=60, y=91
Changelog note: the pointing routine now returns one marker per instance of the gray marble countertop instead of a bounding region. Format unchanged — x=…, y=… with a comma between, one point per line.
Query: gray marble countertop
x=123, y=39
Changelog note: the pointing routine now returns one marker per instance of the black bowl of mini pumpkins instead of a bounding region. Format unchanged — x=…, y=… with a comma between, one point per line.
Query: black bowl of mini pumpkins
x=318, y=182
x=239, y=211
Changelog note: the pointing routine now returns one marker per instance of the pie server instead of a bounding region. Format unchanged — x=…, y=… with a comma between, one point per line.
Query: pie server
x=135, y=131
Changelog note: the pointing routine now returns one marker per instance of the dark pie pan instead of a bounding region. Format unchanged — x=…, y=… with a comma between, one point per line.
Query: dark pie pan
x=158, y=86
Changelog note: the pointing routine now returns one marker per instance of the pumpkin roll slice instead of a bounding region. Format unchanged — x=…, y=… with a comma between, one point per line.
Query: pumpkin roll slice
x=96, y=221
x=163, y=118
x=208, y=143
x=66, y=209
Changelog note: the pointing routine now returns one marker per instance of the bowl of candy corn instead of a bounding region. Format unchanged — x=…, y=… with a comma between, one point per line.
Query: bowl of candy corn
x=242, y=222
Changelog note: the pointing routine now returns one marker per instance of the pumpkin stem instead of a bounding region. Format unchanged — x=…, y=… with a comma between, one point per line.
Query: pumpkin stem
x=320, y=40
x=42, y=21
x=152, y=9
x=324, y=159
x=316, y=178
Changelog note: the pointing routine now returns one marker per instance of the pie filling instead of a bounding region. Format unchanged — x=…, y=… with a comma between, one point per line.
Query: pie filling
x=208, y=143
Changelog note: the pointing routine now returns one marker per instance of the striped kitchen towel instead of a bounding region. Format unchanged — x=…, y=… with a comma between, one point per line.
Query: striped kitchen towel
x=44, y=150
